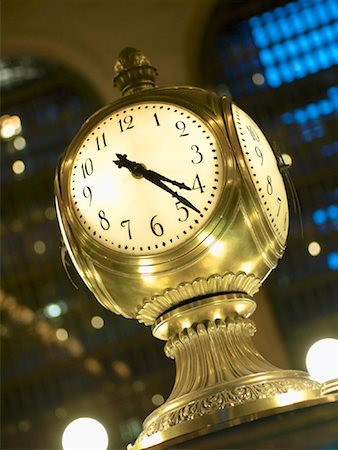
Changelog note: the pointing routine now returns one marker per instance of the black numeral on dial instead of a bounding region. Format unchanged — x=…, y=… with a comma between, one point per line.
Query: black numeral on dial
x=126, y=123
x=198, y=155
x=181, y=127
x=87, y=193
x=197, y=184
x=87, y=168
x=104, y=222
x=126, y=223
x=156, y=227
x=185, y=212
x=101, y=142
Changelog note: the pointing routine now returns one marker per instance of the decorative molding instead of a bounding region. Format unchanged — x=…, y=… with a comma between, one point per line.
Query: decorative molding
x=227, y=398
x=218, y=367
x=229, y=282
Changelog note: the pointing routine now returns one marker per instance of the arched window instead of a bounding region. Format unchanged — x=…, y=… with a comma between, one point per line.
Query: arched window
x=278, y=61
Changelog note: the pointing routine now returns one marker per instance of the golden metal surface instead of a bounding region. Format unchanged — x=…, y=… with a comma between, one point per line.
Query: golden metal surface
x=310, y=423
x=198, y=295
x=212, y=308
x=134, y=72
x=235, y=251
x=220, y=375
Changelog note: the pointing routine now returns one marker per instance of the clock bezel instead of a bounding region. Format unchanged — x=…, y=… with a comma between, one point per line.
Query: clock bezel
x=183, y=253
x=260, y=223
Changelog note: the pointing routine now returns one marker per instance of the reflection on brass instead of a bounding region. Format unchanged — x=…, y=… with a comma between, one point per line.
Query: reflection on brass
x=220, y=375
x=197, y=296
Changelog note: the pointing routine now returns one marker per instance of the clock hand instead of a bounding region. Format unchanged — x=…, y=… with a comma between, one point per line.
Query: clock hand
x=168, y=180
x=138, y=169
x=163, y=186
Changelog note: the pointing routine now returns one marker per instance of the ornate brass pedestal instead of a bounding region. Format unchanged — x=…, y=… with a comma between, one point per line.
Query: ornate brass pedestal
x=220, y=375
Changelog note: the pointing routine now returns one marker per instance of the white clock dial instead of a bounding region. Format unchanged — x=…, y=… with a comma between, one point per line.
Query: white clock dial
x=146, y=178
x=263, y=168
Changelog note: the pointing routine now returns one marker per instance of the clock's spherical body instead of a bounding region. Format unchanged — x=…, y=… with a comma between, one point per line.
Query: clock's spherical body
x=167, y=195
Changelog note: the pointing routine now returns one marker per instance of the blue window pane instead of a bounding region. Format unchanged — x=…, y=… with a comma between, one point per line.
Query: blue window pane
x=332, y=261
x=260, y=37
x=310, y=63
x=291, y=8
x=303, y=43
x=255, y=22
x=267, y=17
x=299, y=23
x=300, y=116
x=287, y=118
x=332, y=212
x=332, y=9
x=285, y=29
x=308, y=17
x=319, y=217
x=273, y=32
x=332, y=92
x=312, y=111
x=299, y=69
x=287, y=72
x=315, y=38
x=291, y=48
x=279, y=52
x=319, y=130
x=325, y=107
x=321, y=14
x=272, y=76
x=333, y=49
x=328, y=34
x=307, y=134
x=279, y=13
x=324, y=60
x=266, y=57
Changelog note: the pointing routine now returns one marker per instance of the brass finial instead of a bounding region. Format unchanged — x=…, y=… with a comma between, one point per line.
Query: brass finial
x=134, y=71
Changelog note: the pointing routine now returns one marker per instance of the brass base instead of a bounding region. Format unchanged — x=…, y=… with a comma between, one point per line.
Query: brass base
x=220, y=375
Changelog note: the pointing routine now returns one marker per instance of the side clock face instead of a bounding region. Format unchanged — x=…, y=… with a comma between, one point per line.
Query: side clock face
x=146, y=178
x=264, y=172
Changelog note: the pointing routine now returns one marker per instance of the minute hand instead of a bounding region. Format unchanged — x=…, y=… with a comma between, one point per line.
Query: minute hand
x=158, y=176
x=155, y=178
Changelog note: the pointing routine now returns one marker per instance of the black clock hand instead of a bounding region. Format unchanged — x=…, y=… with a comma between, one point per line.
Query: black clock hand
x=159, y=183
x=138, y=169
x=168, y=180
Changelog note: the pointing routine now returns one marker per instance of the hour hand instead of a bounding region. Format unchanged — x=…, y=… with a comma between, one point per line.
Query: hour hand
x=139, y=169
x=123, y=161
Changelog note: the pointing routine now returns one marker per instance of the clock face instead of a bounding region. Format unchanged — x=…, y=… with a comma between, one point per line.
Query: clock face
x=146, y=178
x=263, y=168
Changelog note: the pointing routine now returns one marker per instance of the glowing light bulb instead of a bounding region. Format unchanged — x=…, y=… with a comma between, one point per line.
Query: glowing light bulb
x=97, y=322
x=18, y=167
x=314, y=248
x=61, y=334
x=85, y=433
x=10, y=126
x=157, y=399
x=322, y=360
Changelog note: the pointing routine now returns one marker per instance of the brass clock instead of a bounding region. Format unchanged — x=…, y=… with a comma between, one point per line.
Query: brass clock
x=159, y=190
x=173, y=210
